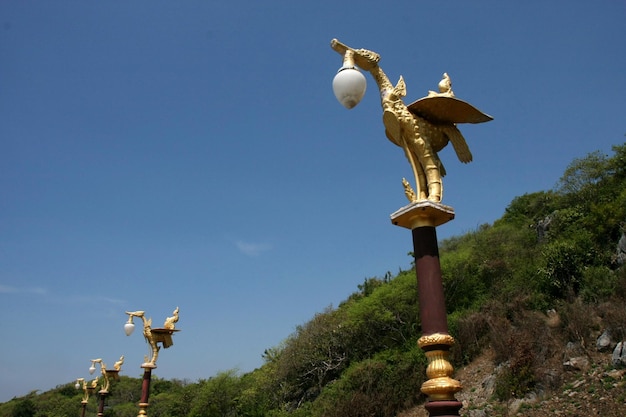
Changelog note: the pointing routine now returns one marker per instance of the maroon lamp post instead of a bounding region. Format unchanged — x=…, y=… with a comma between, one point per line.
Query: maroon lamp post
x=421, y=129
x=153, y=338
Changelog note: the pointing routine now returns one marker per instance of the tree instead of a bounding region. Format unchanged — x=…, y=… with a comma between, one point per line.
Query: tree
x=313, y=356
x=24, y=408
x=217, y=396
x=583, y=173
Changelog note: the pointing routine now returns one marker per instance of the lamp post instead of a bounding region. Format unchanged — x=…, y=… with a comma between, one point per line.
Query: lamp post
x=88, y=389
x=421, y=129
x=153, y=338
x=106, y=374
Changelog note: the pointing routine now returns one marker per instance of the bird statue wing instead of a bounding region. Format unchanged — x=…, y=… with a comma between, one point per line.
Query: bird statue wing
x=458, y=143
x=393, y=130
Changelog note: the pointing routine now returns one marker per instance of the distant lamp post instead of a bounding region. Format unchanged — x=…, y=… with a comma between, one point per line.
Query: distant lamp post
x=106, y=374
x=421, y=129
x=88, y=389
x=153, y=338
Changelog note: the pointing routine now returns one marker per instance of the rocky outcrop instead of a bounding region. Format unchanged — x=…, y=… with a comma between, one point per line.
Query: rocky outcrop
x=619, y=355
x=604, y=342
x=543, y=226
x=621, y=249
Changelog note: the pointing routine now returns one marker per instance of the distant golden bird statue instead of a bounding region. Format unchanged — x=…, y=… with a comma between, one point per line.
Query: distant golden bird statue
x=118, y=365
x=154, y=336
x=170, y=322
x=94, y=383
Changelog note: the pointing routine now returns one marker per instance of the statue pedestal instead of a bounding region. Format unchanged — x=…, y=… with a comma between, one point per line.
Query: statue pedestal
x=164, y=336
x=113, y=374
x=422, y=213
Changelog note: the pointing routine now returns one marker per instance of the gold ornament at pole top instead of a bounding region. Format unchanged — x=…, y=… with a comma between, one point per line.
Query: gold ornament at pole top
x=88, y=388
x=422, y=128
x=107, y=373
x=154, y=336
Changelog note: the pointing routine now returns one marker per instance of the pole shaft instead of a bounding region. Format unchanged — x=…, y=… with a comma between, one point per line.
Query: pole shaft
x=432, y=306
x=428, y=270
x=145, y=391
x=101, y=404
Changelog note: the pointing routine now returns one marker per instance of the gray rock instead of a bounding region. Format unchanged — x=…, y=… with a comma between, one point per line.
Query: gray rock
x=603, y=343
x=514, y=406
x=543, y=226
x=621, y=250
x=619, y=355
x=579, y=363
x=489, y=384
x=573, y=349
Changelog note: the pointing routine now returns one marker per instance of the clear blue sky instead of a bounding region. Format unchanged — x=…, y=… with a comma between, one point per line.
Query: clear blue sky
x=156, y=154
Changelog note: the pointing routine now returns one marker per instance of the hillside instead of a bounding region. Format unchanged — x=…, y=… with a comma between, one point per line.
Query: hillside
x=535, y=302
x=596, y=387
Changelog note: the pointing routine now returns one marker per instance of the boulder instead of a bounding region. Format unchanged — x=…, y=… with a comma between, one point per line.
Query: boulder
x=573, y=349
x=619, y=355
x=621, y=249
x=543, y=226
x=603, y=343
x=579, y=363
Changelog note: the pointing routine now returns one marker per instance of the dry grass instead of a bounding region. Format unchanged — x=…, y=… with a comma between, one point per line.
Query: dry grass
x=508, y=343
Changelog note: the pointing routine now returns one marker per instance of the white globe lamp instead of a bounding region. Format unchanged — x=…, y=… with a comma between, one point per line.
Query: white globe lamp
x=129, y=328
x=349, y=86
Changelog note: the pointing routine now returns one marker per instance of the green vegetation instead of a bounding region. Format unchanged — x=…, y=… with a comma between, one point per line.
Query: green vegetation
x=553, y=249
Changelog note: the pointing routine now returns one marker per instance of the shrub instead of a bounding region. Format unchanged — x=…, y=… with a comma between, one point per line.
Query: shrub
x=598, y=283
x=380, y=387
x=614, y=318
x=518, y=378
x=577, y=321
x=470, y=331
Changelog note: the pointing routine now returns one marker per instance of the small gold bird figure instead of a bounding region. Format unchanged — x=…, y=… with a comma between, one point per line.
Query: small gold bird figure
x=445, y=85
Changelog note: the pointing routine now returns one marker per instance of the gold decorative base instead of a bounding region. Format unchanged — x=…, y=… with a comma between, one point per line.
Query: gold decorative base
x=422, y=213
x=439, y=386
x=143, y=410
